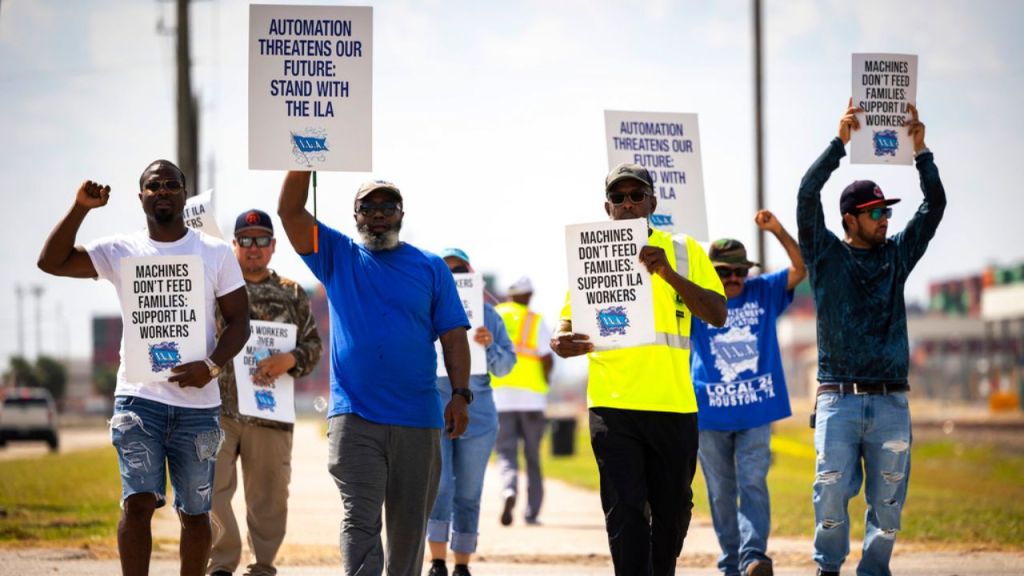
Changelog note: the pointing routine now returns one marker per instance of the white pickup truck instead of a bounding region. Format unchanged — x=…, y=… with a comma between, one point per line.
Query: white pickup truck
x=28, y=414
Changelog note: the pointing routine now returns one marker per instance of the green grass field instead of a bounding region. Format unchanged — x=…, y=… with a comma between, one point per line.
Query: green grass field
x=60, y=497
x=960, y=496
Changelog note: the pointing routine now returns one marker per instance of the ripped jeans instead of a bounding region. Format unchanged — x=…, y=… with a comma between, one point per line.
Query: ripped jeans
x=851, y=430
x=147, y=434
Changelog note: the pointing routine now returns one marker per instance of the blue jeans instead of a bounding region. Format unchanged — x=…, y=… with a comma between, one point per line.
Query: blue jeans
x=735, y=465
x=147, y=434
x=850, y=429
x=457, y=506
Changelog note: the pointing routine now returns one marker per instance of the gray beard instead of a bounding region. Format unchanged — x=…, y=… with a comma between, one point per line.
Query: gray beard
x=379, y=242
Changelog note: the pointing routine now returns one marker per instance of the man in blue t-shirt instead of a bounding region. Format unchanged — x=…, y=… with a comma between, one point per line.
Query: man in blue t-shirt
x=389, y=302
x=741, y=390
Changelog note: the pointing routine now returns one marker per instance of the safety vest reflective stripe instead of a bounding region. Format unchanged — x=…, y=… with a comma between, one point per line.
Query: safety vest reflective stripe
x=526, y=328
x=672, y=340
x=682, y=259
x=523, y=328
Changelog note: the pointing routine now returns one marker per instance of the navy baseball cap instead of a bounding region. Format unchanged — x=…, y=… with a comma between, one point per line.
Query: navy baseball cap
x=254, y=220
x=863, y=194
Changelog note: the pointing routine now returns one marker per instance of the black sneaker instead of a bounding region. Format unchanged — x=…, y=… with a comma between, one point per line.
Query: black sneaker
x=461, y=570
x=437, y=568
x=220, y=573
x=827, y=573
x=506, y=512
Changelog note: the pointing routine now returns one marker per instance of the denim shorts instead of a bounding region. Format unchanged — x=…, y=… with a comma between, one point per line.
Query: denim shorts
x=147, y=434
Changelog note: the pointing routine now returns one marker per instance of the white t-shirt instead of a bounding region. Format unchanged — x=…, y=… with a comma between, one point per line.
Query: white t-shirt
x=222, y=276
x=518, y=400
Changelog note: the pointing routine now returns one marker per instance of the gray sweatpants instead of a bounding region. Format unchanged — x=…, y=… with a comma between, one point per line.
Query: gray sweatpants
x=528, y=426
x=376, y=465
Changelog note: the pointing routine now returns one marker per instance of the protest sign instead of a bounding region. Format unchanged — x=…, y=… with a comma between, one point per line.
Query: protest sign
x=883, y=85
x=310, y=87
x=668, y=145
x=276, y=400
x=164, y=304
x=199, y=214
x=471, y=292
x=609, y=288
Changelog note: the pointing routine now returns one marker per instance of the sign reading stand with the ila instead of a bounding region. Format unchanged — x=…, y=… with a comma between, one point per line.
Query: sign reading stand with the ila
x=310, y=87
x=609, y=288
x=164, y=304
x=883, y=86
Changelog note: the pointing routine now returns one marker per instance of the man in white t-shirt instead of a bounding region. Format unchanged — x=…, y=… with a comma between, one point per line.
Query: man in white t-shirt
x=168, y=278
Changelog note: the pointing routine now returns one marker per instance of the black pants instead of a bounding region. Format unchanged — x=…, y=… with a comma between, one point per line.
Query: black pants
x=647, y=461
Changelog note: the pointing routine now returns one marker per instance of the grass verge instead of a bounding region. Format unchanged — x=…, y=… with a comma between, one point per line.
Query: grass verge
x=960, y=496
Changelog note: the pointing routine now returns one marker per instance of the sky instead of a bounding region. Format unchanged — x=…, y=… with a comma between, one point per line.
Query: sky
x=490, y=117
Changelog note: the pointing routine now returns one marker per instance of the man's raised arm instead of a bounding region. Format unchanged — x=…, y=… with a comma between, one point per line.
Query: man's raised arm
x=60, y=256
x=291, y=208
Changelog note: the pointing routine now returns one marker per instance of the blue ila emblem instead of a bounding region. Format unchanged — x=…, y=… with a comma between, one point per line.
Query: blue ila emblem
x=661, y=219
x=886, y=143
x=612, y=320
x=163, y=356
x=265, y=400
x=310, y=146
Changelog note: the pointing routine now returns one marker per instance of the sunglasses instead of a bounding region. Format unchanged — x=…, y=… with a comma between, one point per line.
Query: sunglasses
x=635, y=197
x=877, y=213
x=169, y=185
x=725, y=272
x=247, y=241
x=385, y=208
x=460, y=269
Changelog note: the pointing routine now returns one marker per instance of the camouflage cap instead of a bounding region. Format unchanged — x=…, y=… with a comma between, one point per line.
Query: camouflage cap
x=729, y=252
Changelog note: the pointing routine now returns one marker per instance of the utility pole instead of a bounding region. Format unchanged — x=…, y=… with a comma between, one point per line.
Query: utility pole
x=19, y=292
x=37, y=291
x=187, y=105
x=762, y=257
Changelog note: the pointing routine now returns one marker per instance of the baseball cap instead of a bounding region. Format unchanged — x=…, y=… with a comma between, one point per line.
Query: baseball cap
x=369, y=187
x=863, y=194
x=456, y=252
x=729, y=252
x=521, y=286
x=253, y=220
x=627, y=171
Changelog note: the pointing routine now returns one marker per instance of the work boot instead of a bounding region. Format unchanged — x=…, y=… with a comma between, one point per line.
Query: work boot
x=760, y=568
x=506, y=511
x=437, y=568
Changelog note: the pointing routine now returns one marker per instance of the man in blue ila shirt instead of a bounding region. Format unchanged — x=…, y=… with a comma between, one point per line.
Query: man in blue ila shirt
x=863, y=358
x=741, y=390
x=389, y=302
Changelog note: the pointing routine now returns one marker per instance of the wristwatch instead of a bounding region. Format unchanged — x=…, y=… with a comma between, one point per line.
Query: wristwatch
x=466, y=394
x=212, y=367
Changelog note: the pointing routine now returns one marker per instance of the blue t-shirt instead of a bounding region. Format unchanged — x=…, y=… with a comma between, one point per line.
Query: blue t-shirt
x=386, y=308
x=737, y=369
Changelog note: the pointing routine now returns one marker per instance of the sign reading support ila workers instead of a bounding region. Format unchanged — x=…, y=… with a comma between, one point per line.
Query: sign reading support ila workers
x=668, y=145
x=609, y=288
x=883, y=85
x=276, y=400
x=310, y=87
x=164, y=307
x=471, y=292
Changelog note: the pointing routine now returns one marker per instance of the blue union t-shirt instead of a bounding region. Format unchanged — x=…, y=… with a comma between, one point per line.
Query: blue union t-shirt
x=737, y=371
x=386, y=309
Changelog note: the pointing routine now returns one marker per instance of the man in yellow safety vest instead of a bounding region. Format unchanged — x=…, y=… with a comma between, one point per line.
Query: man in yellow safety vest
x=521, y=397
x=643, y=410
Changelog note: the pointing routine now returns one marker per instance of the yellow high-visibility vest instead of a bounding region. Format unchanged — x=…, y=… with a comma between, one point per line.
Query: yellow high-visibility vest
x=655, y=377
x=523, y=327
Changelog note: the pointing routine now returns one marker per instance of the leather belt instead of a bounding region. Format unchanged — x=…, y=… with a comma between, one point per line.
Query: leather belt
x=858, y=388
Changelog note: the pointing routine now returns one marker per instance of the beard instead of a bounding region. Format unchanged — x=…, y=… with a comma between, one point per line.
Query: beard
x=377, y=242
x=163, y=216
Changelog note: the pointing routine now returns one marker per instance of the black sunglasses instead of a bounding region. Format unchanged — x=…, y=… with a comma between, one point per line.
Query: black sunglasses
x=247, y=241
x=386, y=208
x=635, y=197
x=877, y=213
x=169, y=185
x=726, y=271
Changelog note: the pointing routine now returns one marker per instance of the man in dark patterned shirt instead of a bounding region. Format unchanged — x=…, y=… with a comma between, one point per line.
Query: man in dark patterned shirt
x=265, y=446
